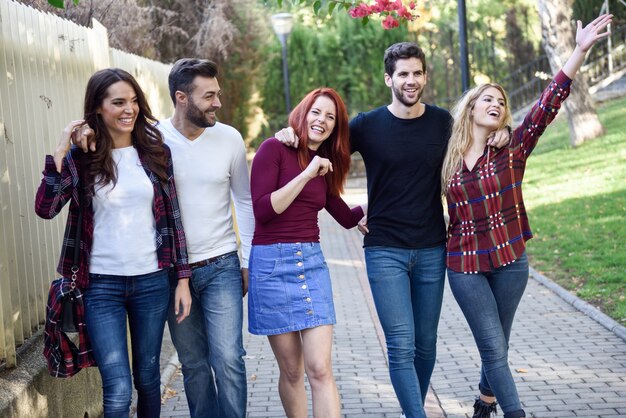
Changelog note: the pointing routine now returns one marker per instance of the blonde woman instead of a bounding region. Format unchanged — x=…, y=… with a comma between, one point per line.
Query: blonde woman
x=486, y=258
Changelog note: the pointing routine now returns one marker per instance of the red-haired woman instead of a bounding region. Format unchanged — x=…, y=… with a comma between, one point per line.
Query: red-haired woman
x=290, y=298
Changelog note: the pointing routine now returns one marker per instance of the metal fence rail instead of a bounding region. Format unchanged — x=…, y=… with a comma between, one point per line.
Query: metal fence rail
x=45, y=63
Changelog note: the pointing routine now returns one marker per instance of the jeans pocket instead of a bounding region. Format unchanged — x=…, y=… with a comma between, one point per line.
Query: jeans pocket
x=270, y=292
x=267, y=279
x=264, y=267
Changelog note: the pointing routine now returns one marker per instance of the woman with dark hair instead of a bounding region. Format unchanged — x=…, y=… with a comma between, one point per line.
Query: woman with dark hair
x=486, y=257
x=131, y=235
x=290, y=296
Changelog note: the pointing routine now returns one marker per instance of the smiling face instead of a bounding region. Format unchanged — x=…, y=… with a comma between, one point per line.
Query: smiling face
x=203, y=102
x=119, y=110
x=489, y=109
x=407, y=81
x=320, y=120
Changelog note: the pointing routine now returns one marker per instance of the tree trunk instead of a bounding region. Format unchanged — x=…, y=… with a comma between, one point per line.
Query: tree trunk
x=558, y=33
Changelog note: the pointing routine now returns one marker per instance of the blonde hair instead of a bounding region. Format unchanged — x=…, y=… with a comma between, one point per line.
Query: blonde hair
x=461, y=137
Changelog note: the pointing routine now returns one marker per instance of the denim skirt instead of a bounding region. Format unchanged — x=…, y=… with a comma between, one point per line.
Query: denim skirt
x=289, y=288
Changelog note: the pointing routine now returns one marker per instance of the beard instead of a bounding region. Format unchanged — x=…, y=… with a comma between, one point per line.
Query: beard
x=398, y=94
x=198, y=117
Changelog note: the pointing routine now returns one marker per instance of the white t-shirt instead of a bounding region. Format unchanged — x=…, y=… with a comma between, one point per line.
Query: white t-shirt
x=124, y=236
x=208, y=171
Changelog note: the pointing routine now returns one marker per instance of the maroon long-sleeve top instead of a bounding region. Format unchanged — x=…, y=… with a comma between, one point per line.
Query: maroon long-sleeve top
x=273, y=167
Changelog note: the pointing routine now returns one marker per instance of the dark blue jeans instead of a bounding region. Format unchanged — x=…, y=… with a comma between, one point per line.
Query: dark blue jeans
x=109, y=301
x=210, y=343
x=489, y=301
x=407, y=286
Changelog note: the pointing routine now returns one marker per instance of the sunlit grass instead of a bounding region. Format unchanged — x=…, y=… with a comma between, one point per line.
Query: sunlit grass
x=576, y=198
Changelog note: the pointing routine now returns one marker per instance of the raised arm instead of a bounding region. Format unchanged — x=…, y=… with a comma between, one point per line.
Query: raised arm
x=59, y=177
x=64, y=145
x=585, y=38
x=546, y=108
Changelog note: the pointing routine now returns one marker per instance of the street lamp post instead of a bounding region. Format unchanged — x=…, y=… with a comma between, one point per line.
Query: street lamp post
x=465, y=76
x=282, y=24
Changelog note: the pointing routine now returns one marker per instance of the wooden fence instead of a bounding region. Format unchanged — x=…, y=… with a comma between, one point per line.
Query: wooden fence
x=45, y=62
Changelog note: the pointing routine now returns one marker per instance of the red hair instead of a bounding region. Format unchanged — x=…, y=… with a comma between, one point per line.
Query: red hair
x=336, y=147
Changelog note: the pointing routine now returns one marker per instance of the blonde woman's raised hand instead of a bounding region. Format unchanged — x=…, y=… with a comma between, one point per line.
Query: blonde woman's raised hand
x=585, y=38
x=590, y=34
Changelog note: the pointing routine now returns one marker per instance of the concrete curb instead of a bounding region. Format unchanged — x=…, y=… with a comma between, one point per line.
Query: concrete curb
x=29, y=391
x=584, y=307
x=168, y=372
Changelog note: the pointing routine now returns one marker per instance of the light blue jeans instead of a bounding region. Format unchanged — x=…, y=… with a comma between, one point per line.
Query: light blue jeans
x=144, y=300
x=407, y=286
x=210, y=343
x=489, y=301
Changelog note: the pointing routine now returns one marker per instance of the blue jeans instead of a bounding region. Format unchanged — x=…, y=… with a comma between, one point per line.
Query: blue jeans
x=144, y=299
x=407, y=286
x=489, y=301
x=210, y=342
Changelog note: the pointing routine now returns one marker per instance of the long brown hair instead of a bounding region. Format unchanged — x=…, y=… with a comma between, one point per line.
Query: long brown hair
x=461, y=138
x=145, y=136
x=336, y=147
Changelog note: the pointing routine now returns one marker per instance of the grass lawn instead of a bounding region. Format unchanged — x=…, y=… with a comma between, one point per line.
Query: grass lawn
x=576, y=199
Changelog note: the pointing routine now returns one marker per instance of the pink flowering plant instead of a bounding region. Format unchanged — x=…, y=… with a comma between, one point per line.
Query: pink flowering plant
x=393, y=12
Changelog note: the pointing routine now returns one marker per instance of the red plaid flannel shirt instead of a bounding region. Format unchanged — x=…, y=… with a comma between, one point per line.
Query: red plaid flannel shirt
x=56, y=189
x=488, y=223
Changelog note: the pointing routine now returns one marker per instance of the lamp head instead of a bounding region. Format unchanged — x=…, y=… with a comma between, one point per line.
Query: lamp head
x=282, y=23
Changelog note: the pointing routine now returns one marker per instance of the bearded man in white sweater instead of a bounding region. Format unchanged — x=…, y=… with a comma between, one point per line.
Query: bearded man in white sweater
x=211, y=171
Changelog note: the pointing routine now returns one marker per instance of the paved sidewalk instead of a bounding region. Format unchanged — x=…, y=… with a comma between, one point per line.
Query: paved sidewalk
x=565, y=364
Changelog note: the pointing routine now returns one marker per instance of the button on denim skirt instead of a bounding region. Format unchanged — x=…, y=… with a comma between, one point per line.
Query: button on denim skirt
x=289, y=288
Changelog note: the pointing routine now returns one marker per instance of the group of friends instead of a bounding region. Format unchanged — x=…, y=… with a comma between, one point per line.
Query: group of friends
x=158, y=242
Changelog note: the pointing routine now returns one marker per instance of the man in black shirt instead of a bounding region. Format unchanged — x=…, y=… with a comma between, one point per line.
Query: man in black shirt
x=403, y=145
